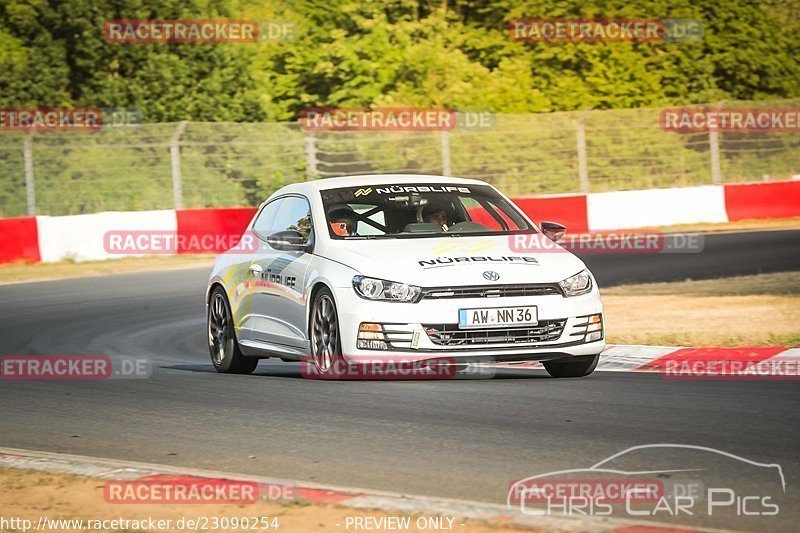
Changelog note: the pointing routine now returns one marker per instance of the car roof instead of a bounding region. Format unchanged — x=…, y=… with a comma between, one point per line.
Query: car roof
x=374, y=179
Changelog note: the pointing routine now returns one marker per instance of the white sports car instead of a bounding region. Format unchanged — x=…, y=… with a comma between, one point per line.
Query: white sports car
x=368, y=269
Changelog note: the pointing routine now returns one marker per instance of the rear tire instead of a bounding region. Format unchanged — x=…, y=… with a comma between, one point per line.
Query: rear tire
x=226, y=356
x=572, y=367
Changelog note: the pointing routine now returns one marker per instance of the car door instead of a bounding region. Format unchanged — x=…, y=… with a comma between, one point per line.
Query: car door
x=280, y=275
x=246, y=281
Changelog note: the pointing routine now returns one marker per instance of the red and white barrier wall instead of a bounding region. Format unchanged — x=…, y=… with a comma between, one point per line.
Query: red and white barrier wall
x=82, y=237
x=19, y=240
x=655, y=207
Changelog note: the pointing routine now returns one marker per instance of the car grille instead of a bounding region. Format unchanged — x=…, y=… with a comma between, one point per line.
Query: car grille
x=490, y=291
x=451, y=335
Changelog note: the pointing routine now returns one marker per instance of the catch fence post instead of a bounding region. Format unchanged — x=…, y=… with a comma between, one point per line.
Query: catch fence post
x=30, y=191
x=175, y=156
x=447, y=167
x=583, y=165
x=311, y=156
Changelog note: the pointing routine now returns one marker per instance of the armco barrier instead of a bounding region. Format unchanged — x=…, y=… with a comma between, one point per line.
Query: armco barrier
x=655, y=207
x=763, y=200
x=569, y=210
x=80, y=237
x=19, y=240
x=194, y=224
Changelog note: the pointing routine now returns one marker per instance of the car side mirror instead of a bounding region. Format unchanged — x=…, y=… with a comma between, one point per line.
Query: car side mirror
x=553, y=230
x=289, y=241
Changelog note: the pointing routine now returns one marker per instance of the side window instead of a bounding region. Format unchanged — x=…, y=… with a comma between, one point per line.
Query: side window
x=266, y=219
x=478, y=213
x=512, y=224
x=294, y=214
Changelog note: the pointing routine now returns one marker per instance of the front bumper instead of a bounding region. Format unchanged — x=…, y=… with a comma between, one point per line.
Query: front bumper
x=562, y=323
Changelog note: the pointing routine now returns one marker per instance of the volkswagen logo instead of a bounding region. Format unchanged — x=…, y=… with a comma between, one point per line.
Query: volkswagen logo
x=491, y=275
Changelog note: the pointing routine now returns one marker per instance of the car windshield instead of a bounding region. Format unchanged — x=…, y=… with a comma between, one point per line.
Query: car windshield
x=419, y=210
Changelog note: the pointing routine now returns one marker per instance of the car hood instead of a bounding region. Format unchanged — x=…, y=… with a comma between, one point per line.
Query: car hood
x=456, y=261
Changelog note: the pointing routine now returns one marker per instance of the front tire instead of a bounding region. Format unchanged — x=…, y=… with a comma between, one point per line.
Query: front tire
x=226, y=356
x=572, y=367
x=326, y=343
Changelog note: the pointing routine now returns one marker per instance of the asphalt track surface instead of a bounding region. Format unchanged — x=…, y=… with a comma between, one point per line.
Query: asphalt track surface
x=722, y=255
x=466, y=439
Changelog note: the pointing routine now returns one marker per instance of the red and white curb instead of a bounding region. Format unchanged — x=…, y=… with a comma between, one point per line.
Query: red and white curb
x=362, y=499
x=638, y=358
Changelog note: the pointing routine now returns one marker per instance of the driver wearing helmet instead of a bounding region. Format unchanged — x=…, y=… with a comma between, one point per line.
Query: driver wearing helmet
x=342, y=219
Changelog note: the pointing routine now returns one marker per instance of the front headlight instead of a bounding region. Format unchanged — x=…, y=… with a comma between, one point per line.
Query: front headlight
x=580, y=283
x=383, y=290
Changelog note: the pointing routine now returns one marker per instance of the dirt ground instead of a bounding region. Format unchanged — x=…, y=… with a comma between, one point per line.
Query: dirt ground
x=14, y=272
x=761, y=310
x=29, y=495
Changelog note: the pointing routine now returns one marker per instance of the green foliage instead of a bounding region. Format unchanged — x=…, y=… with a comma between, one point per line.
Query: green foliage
x=54, y=53
x=361, y=53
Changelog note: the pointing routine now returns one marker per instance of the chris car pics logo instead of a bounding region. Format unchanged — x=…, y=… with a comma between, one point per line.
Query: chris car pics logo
x=659, y=480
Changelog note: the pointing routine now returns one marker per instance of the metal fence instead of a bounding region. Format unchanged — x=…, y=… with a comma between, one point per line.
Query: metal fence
x=161, y=166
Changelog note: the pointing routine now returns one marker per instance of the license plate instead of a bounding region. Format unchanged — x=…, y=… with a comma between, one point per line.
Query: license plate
x=497, y=317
